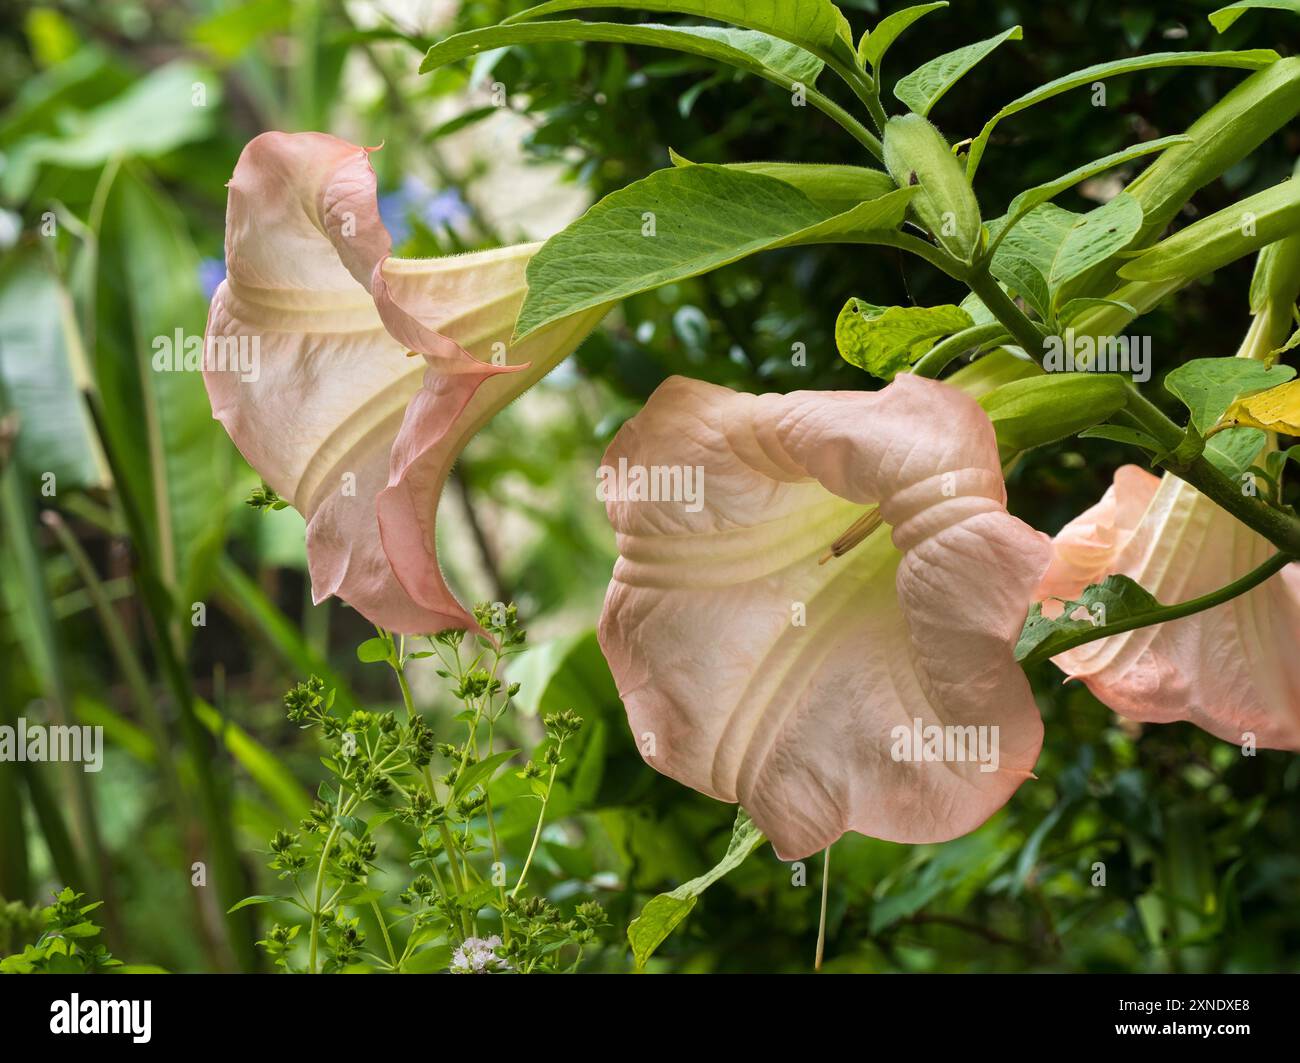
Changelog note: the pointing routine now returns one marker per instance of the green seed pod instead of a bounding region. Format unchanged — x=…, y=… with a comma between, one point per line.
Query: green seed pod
x=917, y=154
x=1220, y=138
x=1042, y=409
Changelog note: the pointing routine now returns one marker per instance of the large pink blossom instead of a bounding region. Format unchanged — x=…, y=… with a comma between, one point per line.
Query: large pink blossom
x=339, y=418
x=754, y=673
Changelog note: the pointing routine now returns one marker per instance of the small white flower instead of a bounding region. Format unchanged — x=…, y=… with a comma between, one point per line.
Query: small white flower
x=478, y=956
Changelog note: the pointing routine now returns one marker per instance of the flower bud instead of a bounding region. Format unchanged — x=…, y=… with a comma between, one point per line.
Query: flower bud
x=1037, y=410
x=1220, y=138
x=917, y=154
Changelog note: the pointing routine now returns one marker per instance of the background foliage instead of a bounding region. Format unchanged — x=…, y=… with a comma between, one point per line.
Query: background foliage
x=98, y=581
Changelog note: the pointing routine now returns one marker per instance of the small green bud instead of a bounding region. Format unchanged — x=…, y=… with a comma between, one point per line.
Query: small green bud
x=1042, y=409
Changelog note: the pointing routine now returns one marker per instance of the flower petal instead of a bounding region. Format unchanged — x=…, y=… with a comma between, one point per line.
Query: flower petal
x=1085, y=550
x=478, y=299
x=320, y=413
x=1231, y=670
x=754, y=674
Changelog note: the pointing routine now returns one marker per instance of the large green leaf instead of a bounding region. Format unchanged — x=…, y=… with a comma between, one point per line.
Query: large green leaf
x=155, y=115
x=664, y=913
x=1226, y=16
x=926, y=85
x=830, y=185
x=874, y=45
x=1032, y=197
x=679, y=223
x=759, y=53
x=1223, y=237
x=1207, y=386
x=815, y=25
x=43, y=375
x=1254, y=59
x=1050, y=246
x=885, y=340
x=1094, y=237
x=150, y=270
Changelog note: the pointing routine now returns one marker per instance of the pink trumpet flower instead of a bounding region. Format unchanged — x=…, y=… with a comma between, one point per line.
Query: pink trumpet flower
x=1232, y=670
x=865, y=693
x=308, y=367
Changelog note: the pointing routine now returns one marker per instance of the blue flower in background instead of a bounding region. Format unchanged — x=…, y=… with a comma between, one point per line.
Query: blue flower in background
x=416, y=200
x=446, y=209
x=212, y=271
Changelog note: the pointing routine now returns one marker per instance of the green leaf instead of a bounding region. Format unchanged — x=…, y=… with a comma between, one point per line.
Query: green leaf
x=1033, y=197
x=1119, y=434
x=1254, y=59
x=1075, y=307
x=1094, y=237
x=1290, y=345
x=481, y=772
x=355, y=827
x=1051, y=246
x=262, y=766
x=664, y=913
x=1226, y=16
x=232, y=30
x=43, y=373
x=153, y=116
x=833, y=186
x=817, y=26
x=679, y=223
x=1116, y=598
x=1207, y=386
x=427, y=961
x=157, y=408
x=1021, y=264
x=886, y=340
x=759, y=53
x=1233, y=452
x=926, y=85
x=1223, y=237
x=374, y=650
x=262, y=898
x=917, y=156
x=873, y=46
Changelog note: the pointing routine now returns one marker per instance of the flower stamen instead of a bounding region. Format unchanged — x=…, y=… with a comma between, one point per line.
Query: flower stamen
x=859, y=531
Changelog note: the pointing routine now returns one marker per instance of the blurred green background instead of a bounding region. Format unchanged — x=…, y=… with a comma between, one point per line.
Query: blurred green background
x=122, y=502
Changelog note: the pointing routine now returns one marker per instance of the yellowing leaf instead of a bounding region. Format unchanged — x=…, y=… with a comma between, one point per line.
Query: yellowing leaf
x=1274, y=410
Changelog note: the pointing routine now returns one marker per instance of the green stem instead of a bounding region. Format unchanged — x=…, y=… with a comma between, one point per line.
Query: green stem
x=1278, y=526
x=944, y=353
x=317, y=895
x=866, y=90
x=1237, y=587
x=537, y=833
x=1025, y=332
x=821, y=920
x=447, y=844
x=383, y=929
